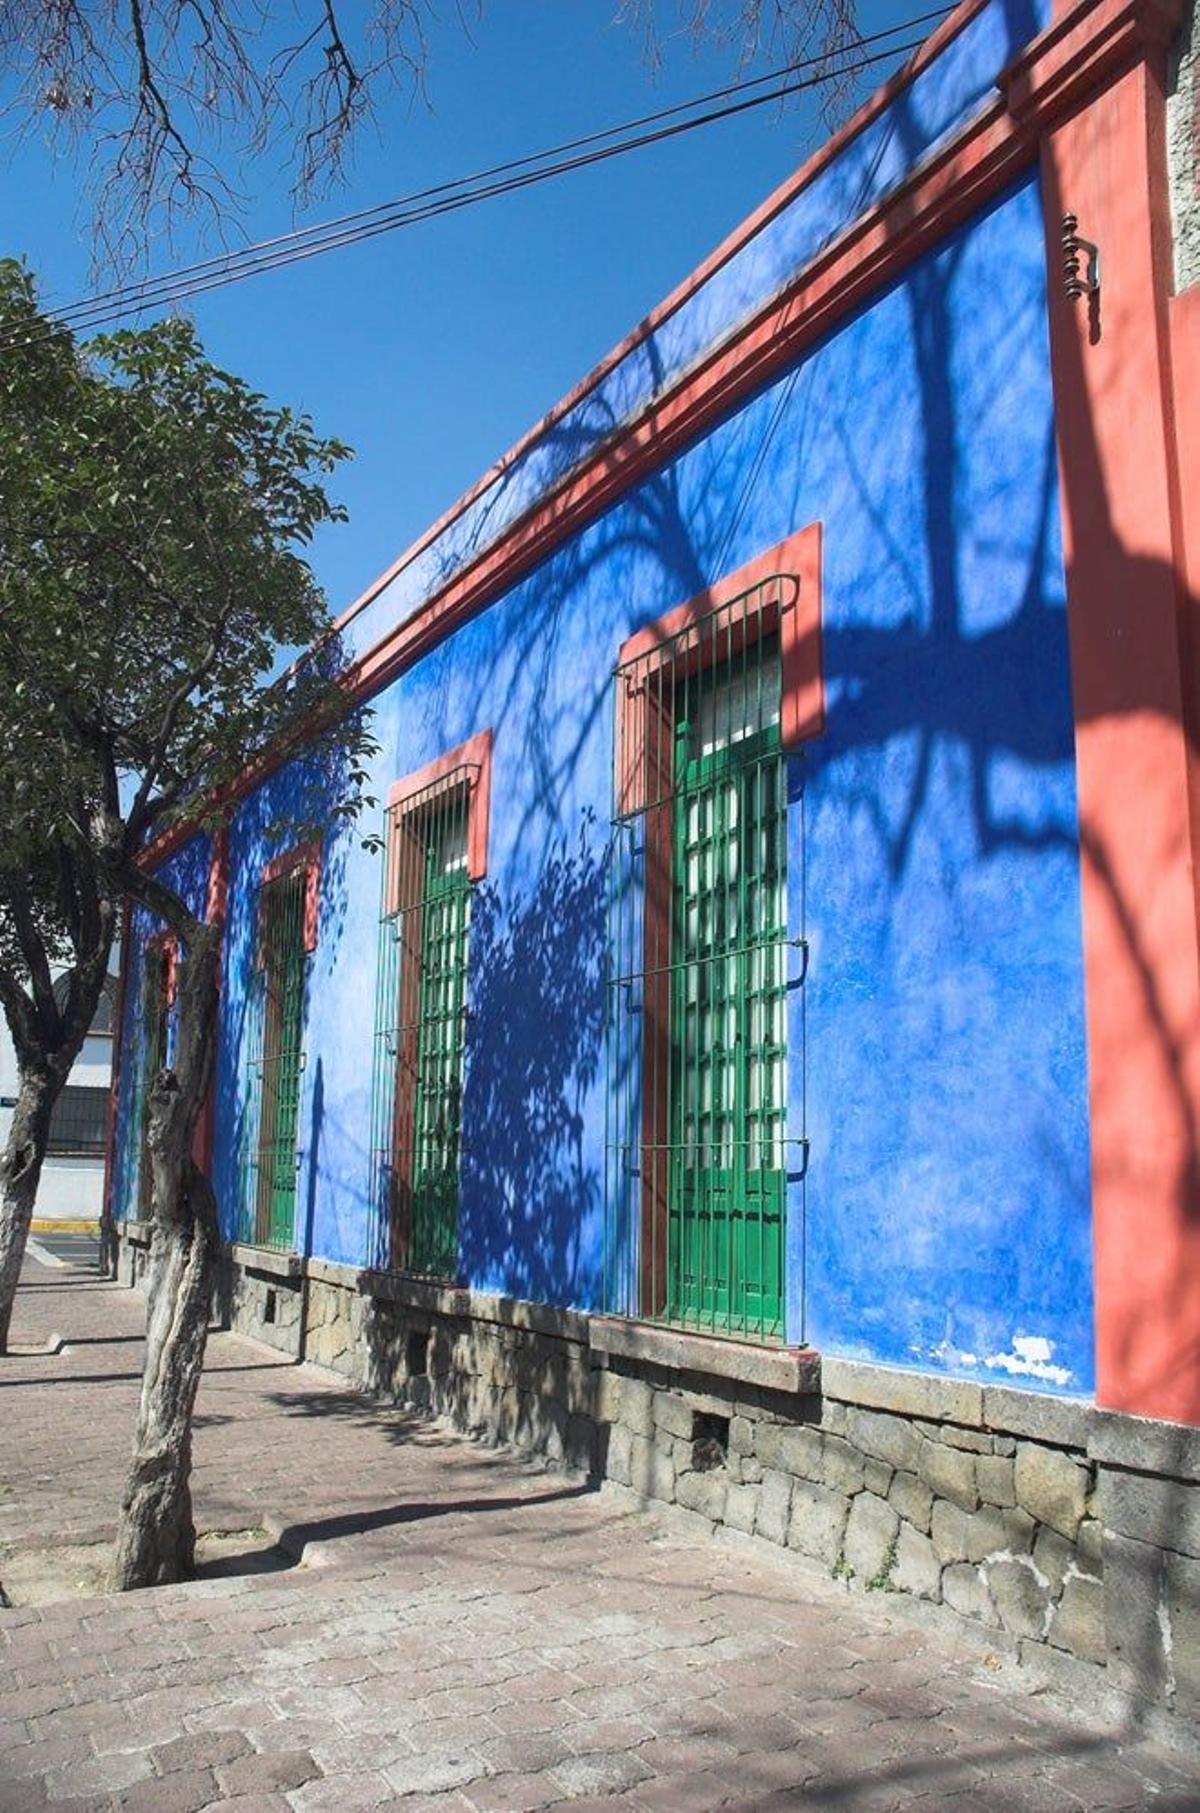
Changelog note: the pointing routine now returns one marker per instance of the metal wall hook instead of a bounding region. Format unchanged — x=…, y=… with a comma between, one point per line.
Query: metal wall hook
x=1075, y=250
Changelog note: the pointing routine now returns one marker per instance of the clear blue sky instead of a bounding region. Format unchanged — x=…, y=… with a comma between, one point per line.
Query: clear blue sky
x=432, y=349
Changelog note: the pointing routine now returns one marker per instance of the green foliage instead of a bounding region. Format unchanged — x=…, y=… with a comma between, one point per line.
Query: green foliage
x=154, y=512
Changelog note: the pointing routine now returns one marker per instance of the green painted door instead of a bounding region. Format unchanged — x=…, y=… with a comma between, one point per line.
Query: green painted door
x=282, y=1059
x=438, y=1106
x=728, y=1010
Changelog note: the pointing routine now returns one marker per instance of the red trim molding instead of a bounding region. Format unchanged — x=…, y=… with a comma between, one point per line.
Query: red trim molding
x=953, y=183
x=467, y=766
x=781, y=198
x=1135, y=706
x=306, y=856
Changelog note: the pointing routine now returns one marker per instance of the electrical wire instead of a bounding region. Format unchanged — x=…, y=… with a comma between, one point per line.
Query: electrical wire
x=501, y=179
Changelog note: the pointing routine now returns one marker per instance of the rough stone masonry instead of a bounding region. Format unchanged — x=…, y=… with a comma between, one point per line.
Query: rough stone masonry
x=1070, y=1533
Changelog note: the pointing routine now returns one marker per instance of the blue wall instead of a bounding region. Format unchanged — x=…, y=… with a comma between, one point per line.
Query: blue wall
x=945, y=1216
x=936, y=1049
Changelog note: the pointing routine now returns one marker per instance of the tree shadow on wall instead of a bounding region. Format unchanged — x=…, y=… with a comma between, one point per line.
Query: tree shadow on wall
x=534, y=1051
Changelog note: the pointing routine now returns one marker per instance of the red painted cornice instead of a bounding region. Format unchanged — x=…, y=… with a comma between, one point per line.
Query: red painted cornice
x=1075, y=56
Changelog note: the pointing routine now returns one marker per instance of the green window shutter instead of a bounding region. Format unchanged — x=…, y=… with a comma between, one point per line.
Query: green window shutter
x=420, y=1035
x=695, y=1222
x=277, y=1064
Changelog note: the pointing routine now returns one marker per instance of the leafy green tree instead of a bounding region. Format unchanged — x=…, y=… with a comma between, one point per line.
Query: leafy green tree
x=152, y=513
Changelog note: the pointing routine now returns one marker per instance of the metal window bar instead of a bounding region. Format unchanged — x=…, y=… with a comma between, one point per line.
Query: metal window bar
x=78, y=1122
x=420, y=1030
x=698, y=1147
x=271, y=1153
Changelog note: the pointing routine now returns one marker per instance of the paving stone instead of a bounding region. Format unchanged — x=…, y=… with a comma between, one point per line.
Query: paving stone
x=272, y=1773
x=605, y=1773
x=655, y=1669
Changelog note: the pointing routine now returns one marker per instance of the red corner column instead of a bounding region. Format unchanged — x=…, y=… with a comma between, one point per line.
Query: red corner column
x=1100, y=114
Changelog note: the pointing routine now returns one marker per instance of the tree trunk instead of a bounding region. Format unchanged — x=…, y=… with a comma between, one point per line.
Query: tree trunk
x=20, y=1169
x=156, y=1540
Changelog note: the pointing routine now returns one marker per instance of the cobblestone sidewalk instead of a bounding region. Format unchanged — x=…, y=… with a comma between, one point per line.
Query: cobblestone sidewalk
x=465, y=1633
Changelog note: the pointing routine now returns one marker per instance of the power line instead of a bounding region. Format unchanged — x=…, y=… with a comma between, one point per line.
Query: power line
x=272, y=254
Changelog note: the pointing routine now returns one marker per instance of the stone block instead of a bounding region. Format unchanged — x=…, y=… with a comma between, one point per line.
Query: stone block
x=818, y=1521
x=1183, y=1609
x=992, y=1531
x=774, y=1507
x=1136, y=1627
x=751, y=1470
x=618, y=1458
x=916, y=1568
x=965, y=1591
x=869, y=1542
x=673, y=1414
x=1089, y=1545
x=913, y=1499
x=877, y=1477
x=996, y=1476
x=1052, y=1487
x=1021, y=1596
x=1037, y=1417
x=790, y=1448
x=887, y=1438
x=1054, y=1557
x=950, y=1472
x=905, y=1393
x=651, y=1472
x=606, y=1395
x=1141, y=1444
x=637, y=1406
x=842, y=1466
x=1158, y=1511
x=704, y=1493
x=948, y=1529
x=741, y=1508
x=972, y=1441
x=1078, y=1620
x=741, y=1435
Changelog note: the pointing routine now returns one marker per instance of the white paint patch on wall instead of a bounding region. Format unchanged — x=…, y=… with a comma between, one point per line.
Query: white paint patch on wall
x=1029, y=1357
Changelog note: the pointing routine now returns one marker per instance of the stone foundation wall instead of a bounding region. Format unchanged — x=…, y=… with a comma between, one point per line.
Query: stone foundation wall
x=1183, y=149
x=1062, y=1530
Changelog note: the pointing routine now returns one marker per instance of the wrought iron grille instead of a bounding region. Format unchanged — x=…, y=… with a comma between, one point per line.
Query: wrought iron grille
x=420, y=1030
x=698, y=1144
x=271, y=1153
x=79, y=1122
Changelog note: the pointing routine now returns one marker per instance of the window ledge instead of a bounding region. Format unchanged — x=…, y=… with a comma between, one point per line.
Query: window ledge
x=265, y=1262
x=479, y=1306
x=794, y=1370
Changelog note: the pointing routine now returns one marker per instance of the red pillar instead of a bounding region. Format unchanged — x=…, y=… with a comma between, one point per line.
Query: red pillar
x=1135, y=706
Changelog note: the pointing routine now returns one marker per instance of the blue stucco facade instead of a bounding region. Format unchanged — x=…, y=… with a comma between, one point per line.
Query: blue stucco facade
x=936, y=1059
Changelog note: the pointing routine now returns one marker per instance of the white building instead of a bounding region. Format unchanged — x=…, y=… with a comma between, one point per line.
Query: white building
x=72, y=1182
